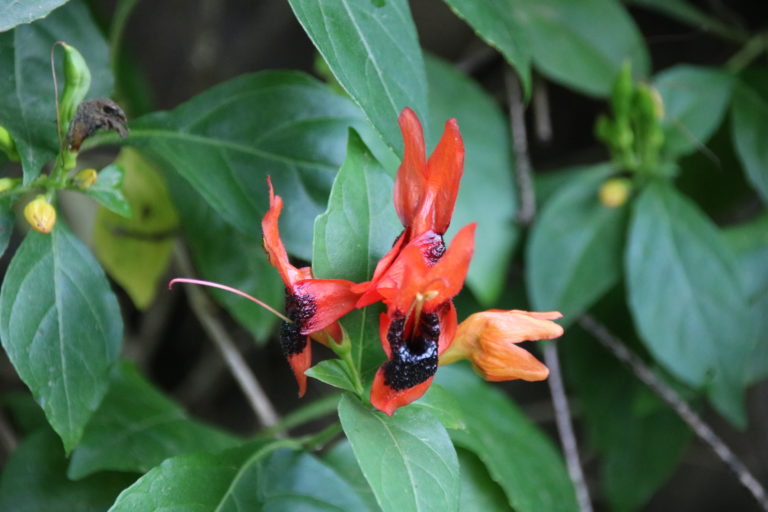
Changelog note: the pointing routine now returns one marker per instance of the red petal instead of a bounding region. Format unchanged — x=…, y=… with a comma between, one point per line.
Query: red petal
x=278, y=257
x=411, y=176
x=448, y=325
x=333, y=299
x=387, y=400
x=451, y=270
x=368, y=290
x=444, y=170
x=299, y=364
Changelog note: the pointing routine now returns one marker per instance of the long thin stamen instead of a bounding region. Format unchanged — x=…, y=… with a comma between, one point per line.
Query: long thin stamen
x=232, y=290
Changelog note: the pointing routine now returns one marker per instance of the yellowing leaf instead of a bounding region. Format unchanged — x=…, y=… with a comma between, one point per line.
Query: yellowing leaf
x=135, y=251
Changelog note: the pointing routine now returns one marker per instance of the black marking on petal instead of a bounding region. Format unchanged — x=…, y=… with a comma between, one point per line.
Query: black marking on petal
x=434, y=249
x=292, y=342
x=413, y=361
x=299, y=308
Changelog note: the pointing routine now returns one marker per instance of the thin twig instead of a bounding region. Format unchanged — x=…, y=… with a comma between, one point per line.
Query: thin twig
x=542, y=115
x=525, y=216
x=680, y=406
x=203, y=308
x=8, y=438
x=527, y=209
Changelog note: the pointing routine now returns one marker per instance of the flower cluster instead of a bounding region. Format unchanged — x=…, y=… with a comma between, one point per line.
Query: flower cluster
x=416, y=281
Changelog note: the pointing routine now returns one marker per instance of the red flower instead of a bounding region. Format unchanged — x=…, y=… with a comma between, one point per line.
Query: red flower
x=312, y=305
x=420, y=321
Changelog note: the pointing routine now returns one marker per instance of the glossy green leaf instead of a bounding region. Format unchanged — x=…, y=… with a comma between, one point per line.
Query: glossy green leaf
x=27, y=106
x=60, y=325
x=342, y=459
x=521, y=459
x=360, y=224
x=694, y=100
x=749, y=131
x=136, y=251
x=443, y=406
x=136, y=428
x=357, y=229
x=238, y=480
x=225, y=255
x=334, y=373
x=478, y=490
x=14, y=13
x=408, y=459
x=34, y=479
x=686, y=296
x=640, y=440
x=502, y=27
x=569, y=48
x=374, y=53
x=7, y=222
x=227, y=140
x=108, y=190
x=487, y=194
x=575, y=248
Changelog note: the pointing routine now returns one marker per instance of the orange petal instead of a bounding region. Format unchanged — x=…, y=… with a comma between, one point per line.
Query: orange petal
x=278, y=257
x=448, y=326
x=328, y=300
x=444, y=170
x=411, y=176
x=499, y=361
x=300, y=363
x=388, y=400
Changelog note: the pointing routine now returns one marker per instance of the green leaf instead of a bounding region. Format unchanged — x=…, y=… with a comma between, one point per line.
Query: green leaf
x=686, y=296
x=478, y=490
x=342, y=459
x=27, y=105
x=749, y=131
x=487, y=178
x=694, y=101
x=374, y=53
x=7, y=222
x=639, y=439
x=60, y=325
x=136, y=428
x=136, y=251
x=356, y=230
x=227, y=140
x=521, y=459
x=225, y=255
x=34, y=479
x=333, y=372
x=443, y=406
x=568, y=48
x=503, y=28
x=574, y=251
x=15, y=13
x=360, y=224
x=240, y=479
x=108, y=190
x=408, y=459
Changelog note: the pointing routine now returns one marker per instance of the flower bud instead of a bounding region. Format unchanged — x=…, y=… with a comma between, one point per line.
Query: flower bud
x=615, y=192
x=40, y=214
x=8, y=145
x=85, y=178
x=6, y=184
x=77, y=81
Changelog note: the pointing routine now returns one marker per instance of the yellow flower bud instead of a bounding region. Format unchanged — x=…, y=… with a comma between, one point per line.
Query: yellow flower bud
x=615, y=192
x=85, y=178
x=40, y=214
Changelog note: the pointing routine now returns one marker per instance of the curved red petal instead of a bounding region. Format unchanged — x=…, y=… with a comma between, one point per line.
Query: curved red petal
x=448, y=325
x=388, y=400
x=444, y=170
x=278, y=257
x=331, y=298
x=411, y=176
x=450, y=271
x=300, y=363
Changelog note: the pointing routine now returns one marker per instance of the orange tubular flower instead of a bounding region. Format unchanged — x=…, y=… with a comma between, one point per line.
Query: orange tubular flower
x=312, y=305
x=488, y=339
x=420, y=322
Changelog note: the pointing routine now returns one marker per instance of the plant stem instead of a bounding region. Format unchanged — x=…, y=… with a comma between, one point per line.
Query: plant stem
x=312, y=411
x=751, y=50
x=680, y=406
x=203, y=308
x=525, y=216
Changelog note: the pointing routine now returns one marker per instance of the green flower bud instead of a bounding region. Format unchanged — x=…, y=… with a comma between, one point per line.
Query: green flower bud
x=77, y=81
x=8, y=145
x=6, y=184
x=40, y=214
x=621, y=93
x=85, y=178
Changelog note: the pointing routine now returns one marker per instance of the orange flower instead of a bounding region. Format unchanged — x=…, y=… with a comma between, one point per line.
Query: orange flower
x=312, y=305
x=488, y=339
